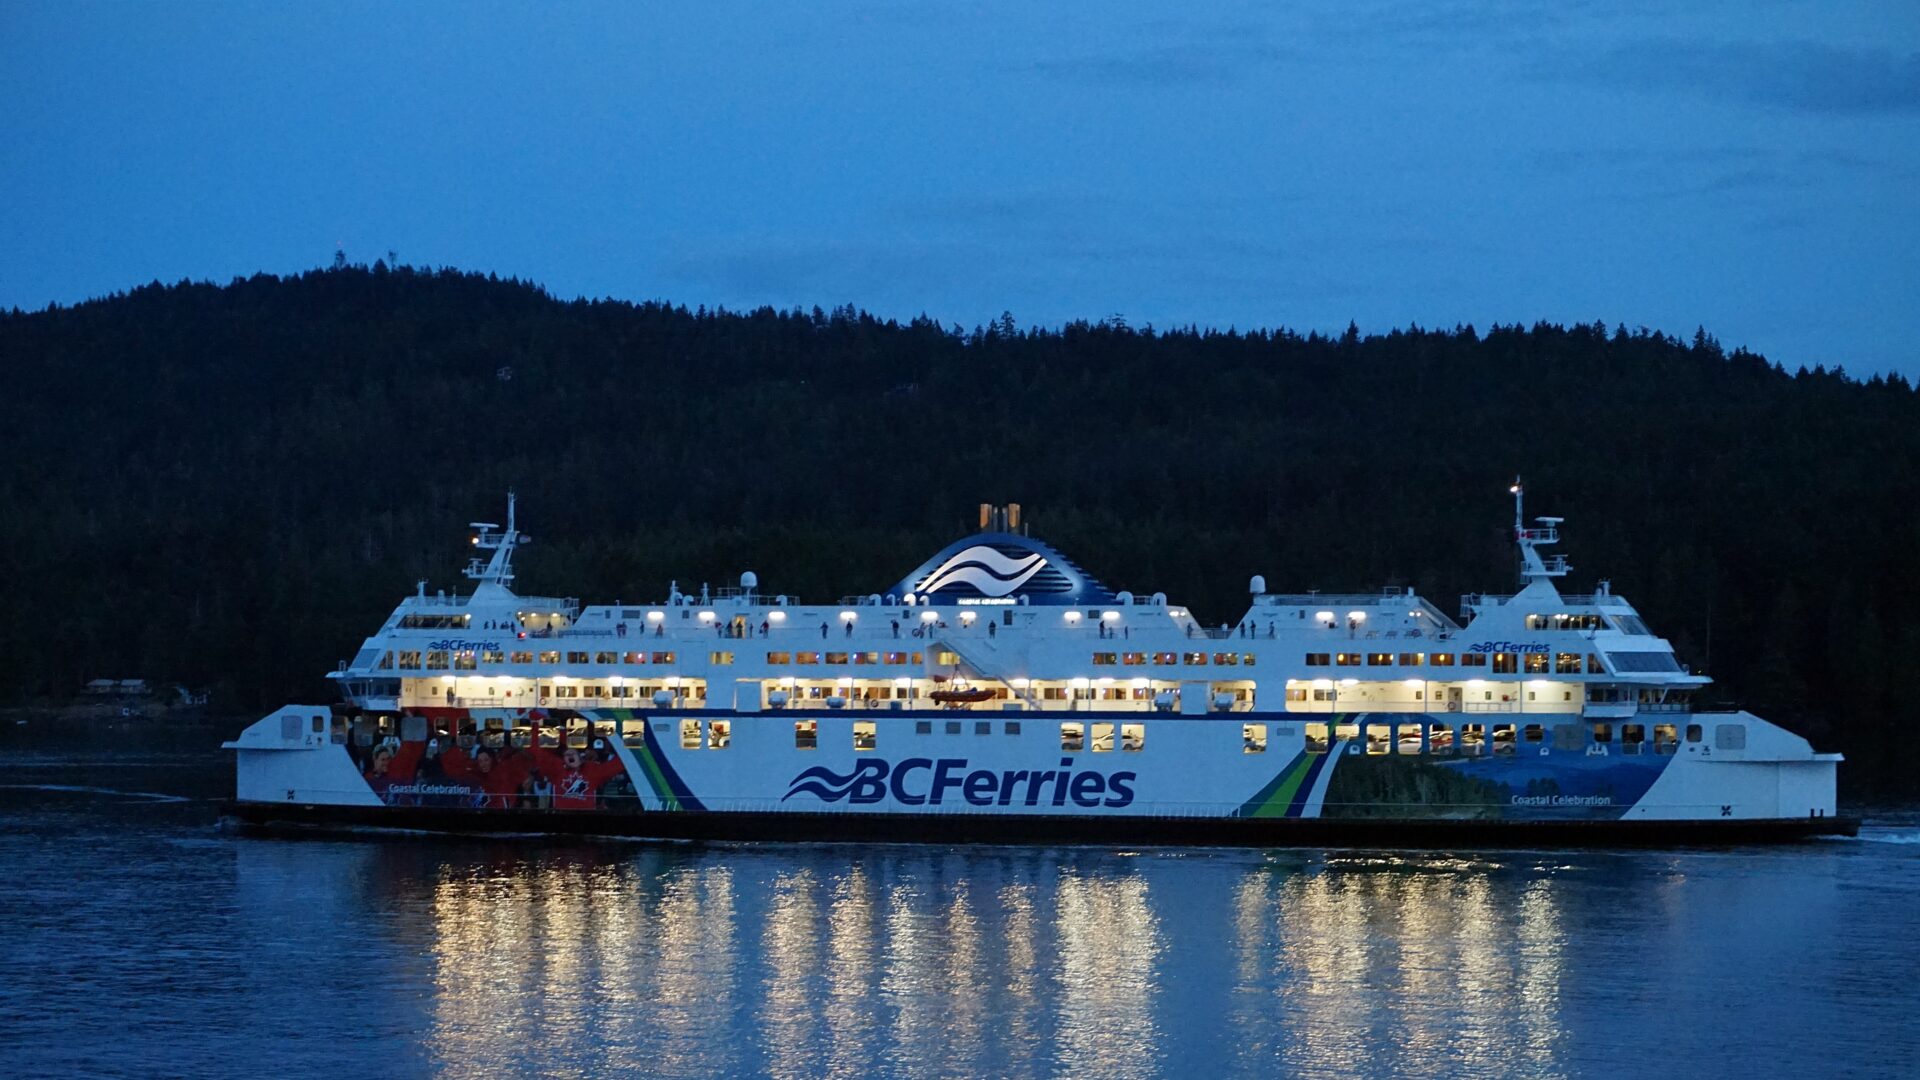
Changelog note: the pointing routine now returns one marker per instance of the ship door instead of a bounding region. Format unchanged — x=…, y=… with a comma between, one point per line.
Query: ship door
x=738, y=627
x=1453, y=699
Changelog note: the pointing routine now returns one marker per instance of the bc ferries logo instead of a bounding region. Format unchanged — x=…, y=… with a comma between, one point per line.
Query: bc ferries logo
x=1508, y=646
x=461, y=645
x=926, y=782
x=985, y=569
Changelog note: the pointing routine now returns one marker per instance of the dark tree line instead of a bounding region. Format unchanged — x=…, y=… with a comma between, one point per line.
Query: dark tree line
x=230, y=485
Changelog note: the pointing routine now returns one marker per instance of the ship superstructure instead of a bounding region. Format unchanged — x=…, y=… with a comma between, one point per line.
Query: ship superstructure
x=1001, y=682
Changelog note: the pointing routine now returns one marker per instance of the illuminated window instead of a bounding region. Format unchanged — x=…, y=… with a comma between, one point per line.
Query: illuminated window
x=806, y=658
x=1319, y=659
x=1439, y=739
x=1603, y=733
x=1165, y=658
x=1072, y=737
x=945, y=658
x=1440, y=659
x=1133, y=659
x=1379, y=738
x=689, y=734
x=1316, y=735
x=806, y=734
x=864, y=734
x=550, y=657
x=576, y=658
x=606, y=658
x=1194, y=658
x=1296, y=693
x=1473, y=739
x=1406, y=739
x=1536, y=663
x=633, y=732
x=720, y=658
x=1379, y=659
x=1253, y=738
x=437, y=661
x=1503, y=740
x=1133, y=738
x=719, y=734
x=1105, y=659
x=1506, y=663
x=489, y=656
x=779, y=658
x=1534, y=733
x=1102, y=738
x=1473, y=659
x=1347, y=659
x=1411, y=659
x=464, y=661
x=1666, y=738
x=1566, y=663
x=866, y=658
x=1246, y=659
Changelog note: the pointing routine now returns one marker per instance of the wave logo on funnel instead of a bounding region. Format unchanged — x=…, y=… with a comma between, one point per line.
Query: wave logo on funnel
x=987, y=570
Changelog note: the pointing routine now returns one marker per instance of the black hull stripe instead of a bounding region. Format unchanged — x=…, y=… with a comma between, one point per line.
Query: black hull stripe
x=951, y=829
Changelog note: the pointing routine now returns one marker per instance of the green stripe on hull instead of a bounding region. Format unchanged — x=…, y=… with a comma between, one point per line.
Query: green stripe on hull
x=1272, y=801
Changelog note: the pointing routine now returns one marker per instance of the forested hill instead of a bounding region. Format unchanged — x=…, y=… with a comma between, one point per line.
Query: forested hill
x=231, y=486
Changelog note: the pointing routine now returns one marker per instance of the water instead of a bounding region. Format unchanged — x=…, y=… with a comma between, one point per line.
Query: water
x=140, y=941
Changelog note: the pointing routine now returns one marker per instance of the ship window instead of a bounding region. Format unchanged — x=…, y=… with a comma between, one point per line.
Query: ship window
x=1253, y=738
x=1165, y=658
x=1536, y=663
x=1346, y=732
x=1316, y=736
x=720, y=658
x=1105, y=659
x=1347, y=659
x=491, y=657
x=719, y=734
x=1503, y=741
x=437, y=660
x=340, y=730
x=1631, y=736
x=1694, y=733
x=606, y=658
x=1102, y=738
x=1666, y=738
x=945, y=658
x=520, y=658
x=1603, y=733
x=1439, y=739
x=1011, y=727
x=806, y=658
x=953, y=727
x=1473, y=659
x=550, y=658
x=1473, y=739
x=779, y=658
x=1319, y=659
x=1379, y=659
x=923, y=727
x=663, y=658
x=865, y=734
x=1072, y=737
x=465, y=661
x=1411, y=659
x=1729, y=736
x=1630, y=624
x=806, y=734
x=866, y=658
x=1379, y=738
x=836, y=658
x=689, y=734
x=1505, y=663
x=386, y=662
x=1406, y=739
x=893, y=658
x=1566, y=663
x=1296, y=693
x=1194, y=658
x=1133, y=738
x=576, y=657
x=1440, y=659
x=1226, y=658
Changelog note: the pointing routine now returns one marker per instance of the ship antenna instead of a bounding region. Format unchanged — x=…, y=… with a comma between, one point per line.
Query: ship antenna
x=487, y=536
x=1533, y=566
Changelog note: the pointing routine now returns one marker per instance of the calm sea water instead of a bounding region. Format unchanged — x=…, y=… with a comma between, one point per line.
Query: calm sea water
x=141, y=941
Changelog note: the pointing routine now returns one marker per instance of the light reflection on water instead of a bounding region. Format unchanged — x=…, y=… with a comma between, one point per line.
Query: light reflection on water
x=432, y=957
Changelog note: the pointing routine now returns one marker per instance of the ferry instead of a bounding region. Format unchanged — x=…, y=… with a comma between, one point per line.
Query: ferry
x=999, y=693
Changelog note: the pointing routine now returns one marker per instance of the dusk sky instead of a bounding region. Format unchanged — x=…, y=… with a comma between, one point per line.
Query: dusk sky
x=1753, y=167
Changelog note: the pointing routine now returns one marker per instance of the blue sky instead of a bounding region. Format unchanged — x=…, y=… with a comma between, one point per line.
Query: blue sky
x=1753, y=167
